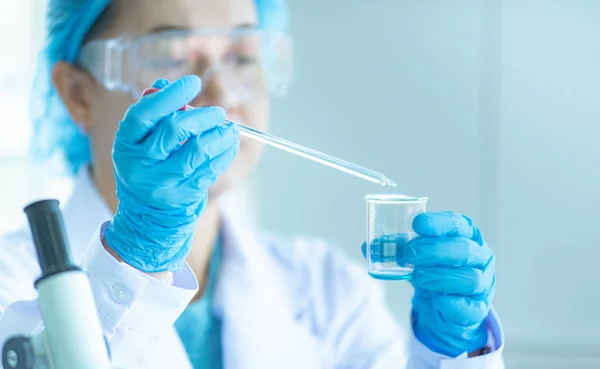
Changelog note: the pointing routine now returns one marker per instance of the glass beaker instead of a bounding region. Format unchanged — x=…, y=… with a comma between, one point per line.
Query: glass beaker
x=389, y=228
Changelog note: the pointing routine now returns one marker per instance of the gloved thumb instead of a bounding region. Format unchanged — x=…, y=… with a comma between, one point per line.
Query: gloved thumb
x=160, y=83
x=142, y=116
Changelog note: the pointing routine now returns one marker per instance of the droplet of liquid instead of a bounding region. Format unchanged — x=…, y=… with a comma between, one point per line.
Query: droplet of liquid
x=389, y=182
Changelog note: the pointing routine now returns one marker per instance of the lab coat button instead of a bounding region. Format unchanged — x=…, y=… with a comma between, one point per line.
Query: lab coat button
x=120, y=293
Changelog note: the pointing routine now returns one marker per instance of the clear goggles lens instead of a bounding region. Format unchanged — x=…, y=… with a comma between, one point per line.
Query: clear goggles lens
x=250, y=63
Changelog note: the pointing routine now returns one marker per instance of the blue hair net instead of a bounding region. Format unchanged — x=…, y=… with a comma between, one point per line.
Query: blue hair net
x=68, y=21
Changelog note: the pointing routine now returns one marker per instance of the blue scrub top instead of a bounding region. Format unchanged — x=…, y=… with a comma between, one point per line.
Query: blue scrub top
x=198, y=329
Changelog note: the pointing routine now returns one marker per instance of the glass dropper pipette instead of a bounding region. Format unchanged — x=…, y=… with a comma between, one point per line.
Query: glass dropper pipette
x=303, y=151
x=314, y=155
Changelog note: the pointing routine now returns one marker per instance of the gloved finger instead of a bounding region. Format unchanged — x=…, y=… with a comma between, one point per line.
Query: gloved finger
x=168, y=99
x=142, y=116
x=207, y=173
x=461, y=310
x=200, y=150
x=447, y=251
x=446, y=224
x=421, y=298
x=171, y=132
x=160, y=83
x=462, y=281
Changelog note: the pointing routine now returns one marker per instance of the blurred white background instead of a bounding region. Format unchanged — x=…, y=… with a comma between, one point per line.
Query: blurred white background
x=21, y=36
x=489, y=107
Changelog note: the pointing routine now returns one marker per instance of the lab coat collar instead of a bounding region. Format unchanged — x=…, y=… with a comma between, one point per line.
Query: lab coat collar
x=258, y=306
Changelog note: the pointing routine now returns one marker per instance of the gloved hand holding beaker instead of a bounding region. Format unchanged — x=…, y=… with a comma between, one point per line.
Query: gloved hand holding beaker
x=454, y=278
x=451, y=268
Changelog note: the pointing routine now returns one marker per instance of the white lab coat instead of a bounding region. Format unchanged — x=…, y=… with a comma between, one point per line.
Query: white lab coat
x=283, y=303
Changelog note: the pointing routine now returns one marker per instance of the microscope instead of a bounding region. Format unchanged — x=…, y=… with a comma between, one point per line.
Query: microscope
x=71, y=335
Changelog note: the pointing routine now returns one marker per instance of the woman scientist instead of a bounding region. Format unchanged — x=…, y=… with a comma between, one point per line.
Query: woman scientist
x=177, y=282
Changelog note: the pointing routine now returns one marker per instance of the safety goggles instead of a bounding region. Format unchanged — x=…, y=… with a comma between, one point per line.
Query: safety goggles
x=250, y=63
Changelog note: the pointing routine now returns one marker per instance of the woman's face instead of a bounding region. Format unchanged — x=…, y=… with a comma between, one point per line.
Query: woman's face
x=142, y=16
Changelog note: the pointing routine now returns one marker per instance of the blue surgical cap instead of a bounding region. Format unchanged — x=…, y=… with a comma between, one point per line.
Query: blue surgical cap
x=68, y=21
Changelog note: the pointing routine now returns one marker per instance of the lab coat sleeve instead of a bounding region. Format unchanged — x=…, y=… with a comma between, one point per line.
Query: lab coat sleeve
x=135, y=310
x=423, y=358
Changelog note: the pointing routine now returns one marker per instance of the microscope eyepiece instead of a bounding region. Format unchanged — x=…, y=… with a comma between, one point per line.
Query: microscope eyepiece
x=49, y=236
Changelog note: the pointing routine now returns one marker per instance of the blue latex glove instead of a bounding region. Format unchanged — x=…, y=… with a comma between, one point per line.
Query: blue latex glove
x=164, y=162
x=454, y=280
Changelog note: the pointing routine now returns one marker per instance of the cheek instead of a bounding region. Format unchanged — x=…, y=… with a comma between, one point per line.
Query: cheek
x=107, y=112
x=256, y=116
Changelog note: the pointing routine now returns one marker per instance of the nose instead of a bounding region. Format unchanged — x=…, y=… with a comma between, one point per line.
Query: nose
x=217, y=92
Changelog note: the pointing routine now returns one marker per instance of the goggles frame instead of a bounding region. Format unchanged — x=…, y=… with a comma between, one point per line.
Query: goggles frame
x=112, y=62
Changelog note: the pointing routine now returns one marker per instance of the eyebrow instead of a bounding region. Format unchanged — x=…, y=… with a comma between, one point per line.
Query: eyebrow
x=160, y=28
